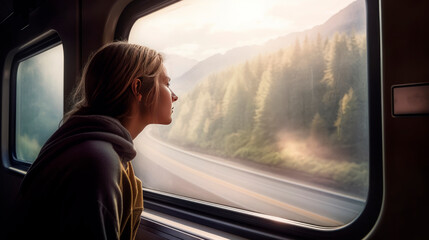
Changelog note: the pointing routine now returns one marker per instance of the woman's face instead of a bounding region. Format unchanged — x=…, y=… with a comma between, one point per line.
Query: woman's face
x=163, y=110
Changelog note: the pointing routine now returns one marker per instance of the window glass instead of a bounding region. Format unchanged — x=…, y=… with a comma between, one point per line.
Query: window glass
x=39, y=101
x=272, y=115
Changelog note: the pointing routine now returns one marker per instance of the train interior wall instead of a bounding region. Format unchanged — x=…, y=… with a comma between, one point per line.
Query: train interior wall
x=86, y=25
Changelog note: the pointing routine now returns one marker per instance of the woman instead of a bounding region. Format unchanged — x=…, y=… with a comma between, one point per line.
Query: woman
x=82, y=184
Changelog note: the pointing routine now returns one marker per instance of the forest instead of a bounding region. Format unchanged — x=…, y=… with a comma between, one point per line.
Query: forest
x=302, y=108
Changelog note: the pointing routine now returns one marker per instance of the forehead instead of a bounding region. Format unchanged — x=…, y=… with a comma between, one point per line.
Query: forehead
x=163, y=74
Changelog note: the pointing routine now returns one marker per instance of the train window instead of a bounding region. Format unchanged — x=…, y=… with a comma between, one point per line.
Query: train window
x=273, y=109
x=274, y=117
x=38, y=101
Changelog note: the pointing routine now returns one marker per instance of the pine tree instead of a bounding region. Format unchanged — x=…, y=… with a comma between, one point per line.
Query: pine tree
x=262, y=119
x=347, y=122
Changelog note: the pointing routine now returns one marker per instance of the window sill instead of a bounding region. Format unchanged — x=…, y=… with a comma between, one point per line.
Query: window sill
x=163, y=226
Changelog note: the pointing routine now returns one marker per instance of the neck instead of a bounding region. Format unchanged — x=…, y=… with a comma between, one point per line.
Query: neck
x=134, y=125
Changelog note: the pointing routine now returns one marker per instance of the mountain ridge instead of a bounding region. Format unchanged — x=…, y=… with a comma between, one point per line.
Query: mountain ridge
x=346, y=20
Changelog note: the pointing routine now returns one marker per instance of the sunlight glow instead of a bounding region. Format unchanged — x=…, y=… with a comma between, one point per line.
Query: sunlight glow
x=221, y=25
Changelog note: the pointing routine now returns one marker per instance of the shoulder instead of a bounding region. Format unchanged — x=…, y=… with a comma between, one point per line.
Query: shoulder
x=92, y=149
x=94, y=158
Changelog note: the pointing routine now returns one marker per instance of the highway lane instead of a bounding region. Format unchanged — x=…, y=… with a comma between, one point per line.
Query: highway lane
x=168, y=168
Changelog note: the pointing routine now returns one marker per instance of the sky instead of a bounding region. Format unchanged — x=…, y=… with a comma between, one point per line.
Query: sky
x=197, y=29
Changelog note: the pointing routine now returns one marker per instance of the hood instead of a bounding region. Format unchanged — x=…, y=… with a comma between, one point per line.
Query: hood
x=90, y=127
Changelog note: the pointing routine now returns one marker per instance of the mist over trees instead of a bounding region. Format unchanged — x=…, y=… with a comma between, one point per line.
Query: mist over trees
x=303, y=107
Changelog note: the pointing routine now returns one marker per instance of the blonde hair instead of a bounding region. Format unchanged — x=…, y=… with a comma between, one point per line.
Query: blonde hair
x=105, y=86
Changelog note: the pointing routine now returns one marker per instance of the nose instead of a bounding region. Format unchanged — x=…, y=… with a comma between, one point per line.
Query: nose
x=174, y=97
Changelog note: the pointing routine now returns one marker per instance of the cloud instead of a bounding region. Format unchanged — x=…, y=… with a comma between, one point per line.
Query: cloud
x=45, y=72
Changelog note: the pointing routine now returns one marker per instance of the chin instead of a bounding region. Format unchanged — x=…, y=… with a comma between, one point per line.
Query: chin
x=166, y=122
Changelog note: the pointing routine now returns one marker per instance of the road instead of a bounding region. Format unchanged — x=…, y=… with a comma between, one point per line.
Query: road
x=168, y=168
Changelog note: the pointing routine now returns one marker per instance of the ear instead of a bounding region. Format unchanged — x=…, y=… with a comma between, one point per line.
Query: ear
x=135, y=86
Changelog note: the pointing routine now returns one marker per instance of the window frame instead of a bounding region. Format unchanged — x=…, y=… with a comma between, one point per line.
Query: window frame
x=243, y=224
x=40, y=45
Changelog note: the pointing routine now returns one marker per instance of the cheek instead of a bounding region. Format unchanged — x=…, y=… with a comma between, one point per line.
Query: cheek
x=165, y=97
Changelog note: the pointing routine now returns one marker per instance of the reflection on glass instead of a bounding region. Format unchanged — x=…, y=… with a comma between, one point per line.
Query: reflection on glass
x=39, y=101
x=272, y=111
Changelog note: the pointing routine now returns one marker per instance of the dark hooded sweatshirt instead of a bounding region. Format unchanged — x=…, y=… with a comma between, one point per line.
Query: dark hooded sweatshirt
x=82, y=185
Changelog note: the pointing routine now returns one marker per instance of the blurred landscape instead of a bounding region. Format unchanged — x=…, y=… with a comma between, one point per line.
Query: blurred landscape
x=298, y=102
